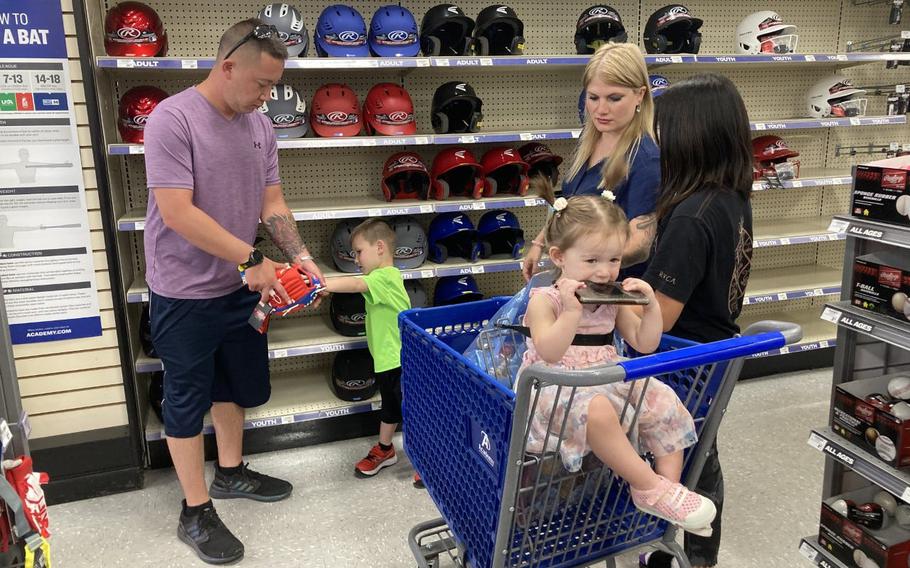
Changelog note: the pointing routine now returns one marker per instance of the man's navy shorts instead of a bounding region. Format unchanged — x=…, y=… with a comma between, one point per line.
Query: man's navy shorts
x=210, y=354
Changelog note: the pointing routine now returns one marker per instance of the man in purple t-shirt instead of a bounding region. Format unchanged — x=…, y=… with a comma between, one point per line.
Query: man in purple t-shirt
x=212, y=169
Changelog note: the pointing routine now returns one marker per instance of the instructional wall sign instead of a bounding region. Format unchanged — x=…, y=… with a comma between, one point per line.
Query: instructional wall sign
x=46, y=266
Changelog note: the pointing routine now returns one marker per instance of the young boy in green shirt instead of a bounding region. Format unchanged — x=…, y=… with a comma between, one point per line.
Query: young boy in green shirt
x=383, y=290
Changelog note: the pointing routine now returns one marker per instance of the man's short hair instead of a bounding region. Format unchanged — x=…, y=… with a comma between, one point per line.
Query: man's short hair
x=235, y=34
x=373, y=230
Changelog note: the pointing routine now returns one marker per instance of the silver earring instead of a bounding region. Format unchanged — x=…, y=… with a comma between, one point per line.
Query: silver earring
x=637, y=108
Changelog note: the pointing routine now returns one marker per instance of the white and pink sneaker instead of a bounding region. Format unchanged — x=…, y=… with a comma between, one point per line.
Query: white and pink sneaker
x=674, y=503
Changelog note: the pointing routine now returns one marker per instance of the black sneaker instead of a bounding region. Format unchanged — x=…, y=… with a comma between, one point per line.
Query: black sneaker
x=207, y=535
x=248, y=484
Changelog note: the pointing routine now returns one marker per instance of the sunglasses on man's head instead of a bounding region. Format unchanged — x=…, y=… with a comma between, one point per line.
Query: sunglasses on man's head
x=262, y=31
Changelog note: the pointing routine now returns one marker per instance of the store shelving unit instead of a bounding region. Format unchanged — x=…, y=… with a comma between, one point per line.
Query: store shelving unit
x=867, y=345
x=813, y=551
x=526, y=98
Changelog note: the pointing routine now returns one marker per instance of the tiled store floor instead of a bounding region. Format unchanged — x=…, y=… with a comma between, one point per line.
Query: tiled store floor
x=773, y=483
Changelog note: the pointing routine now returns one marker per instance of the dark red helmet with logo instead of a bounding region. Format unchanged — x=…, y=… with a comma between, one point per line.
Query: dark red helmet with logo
x=405, y=176
x=456, y=171
x=389, y=111
x=504, y=172
x=135, y=107
x=132, y=29
x=335, y=111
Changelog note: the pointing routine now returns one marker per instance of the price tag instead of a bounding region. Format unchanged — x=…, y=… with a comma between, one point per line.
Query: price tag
x=817, y=442
x=784, y=241
x=144, y=297
x=838, y=226
x=374, y=212
x=782, y=296
x=824, y=343
x=377, y=405
x=6, y=435
x=477, y=270
x=125, y=64
x=139, y=225
x=808, y=551
x=189, y=63
x=486, y=61
x=426, y=273
x=818, y=292
x=287, y=419
x=810, y=58
x=423, y=62
x=900, y=88
x=676, y=58
x=279, y=353
x=796, y=183
x=831, y=315
x=368, y=142
x=525, y=136
x=575, y=132
x=905, y=34
x=894, y=146
x=426, y=208
x=421, y=140
x=842, y=57
x=759, y=126
x=467, y=139
x=906, y=148
x=478, y=205
x=532, y=202
x=136, y=149
x=855, y=122
x=442, y=62
x=905, y=496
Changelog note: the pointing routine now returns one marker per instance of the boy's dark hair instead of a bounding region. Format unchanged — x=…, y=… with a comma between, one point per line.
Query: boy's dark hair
x=373, y=230
x=235, y=34
x=703, y=132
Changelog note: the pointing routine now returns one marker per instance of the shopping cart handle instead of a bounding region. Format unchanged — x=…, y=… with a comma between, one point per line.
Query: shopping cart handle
x=792, y=332
x=675, y=360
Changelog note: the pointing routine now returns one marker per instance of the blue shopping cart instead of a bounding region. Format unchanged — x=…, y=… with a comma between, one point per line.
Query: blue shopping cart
x=503, y=506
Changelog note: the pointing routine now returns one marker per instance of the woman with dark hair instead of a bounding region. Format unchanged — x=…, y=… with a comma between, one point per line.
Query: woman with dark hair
x=703, y=248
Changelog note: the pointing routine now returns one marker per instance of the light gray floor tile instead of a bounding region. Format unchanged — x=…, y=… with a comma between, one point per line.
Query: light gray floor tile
x=773, y=482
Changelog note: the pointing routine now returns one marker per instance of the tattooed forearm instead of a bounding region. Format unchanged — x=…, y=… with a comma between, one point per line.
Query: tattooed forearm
x=638, y=249
x=283, y=230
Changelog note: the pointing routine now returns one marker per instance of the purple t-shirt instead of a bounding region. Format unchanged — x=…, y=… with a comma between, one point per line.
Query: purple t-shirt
x=227, y=164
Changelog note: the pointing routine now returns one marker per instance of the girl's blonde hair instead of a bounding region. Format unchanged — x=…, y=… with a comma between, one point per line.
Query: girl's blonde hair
x=616, y=64
x=582, y=215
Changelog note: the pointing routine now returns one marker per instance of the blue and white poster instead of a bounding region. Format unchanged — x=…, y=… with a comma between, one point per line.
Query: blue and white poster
x=46, y=266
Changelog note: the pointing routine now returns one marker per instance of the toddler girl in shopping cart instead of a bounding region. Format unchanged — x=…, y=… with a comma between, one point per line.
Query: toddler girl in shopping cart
x=585, y=237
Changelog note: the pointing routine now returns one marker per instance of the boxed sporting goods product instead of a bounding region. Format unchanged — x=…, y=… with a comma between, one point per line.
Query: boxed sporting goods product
x=868, y=414
x=881, y=191
x=881, y=283
x=851, y=538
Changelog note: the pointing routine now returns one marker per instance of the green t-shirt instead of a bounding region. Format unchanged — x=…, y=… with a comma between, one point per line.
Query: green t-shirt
x=385, y=299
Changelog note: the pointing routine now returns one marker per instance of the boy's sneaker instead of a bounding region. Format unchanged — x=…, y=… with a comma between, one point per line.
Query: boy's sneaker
x=206, y=534
x=248, y=484
x=673, y=502
x=375, y=461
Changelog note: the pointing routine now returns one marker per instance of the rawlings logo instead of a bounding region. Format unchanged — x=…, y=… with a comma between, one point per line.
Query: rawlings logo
x=399, y=116
x=356, y=383
x=408, y=252
x=660, y=82
x=398, y=35
x=129, y=33
x=283, y=119
x=772, y=20
x=354, y=319
x=140, y=119
x=678, y=11
x=349, y=36
x=894, y=179
x=599, y=11
x=408, y=160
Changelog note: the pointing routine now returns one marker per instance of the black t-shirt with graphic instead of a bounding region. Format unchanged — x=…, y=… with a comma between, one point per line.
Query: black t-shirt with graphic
x=702, y=257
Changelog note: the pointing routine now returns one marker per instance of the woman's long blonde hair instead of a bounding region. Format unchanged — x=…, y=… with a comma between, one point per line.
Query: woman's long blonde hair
x=616, y=64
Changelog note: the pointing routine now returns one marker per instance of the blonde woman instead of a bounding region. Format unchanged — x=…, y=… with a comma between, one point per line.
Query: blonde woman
x=616, y=150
